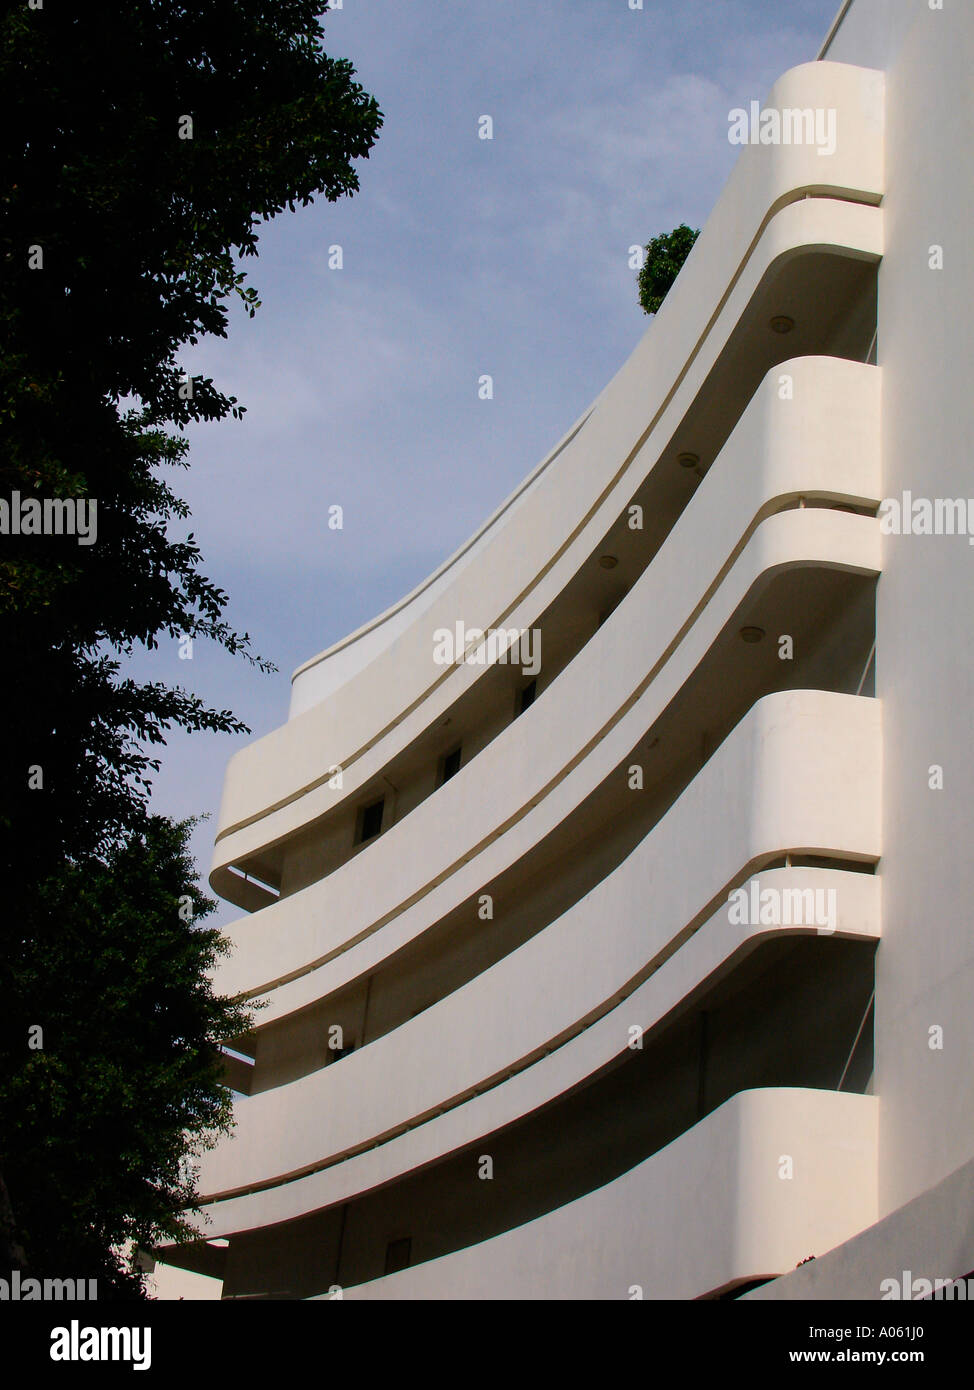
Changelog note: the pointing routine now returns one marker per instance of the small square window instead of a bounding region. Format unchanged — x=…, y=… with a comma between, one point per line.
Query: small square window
x=398, y=1254
x=450, y=765
x=525, y=696
x=370, y=820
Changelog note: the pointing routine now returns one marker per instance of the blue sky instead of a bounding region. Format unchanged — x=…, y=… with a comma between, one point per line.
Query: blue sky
x=462, y=257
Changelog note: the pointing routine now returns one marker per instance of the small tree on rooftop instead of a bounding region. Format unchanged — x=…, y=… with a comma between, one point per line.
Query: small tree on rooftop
x=665, y=255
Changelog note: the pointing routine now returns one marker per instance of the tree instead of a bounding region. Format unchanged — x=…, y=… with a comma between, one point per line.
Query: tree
x=144, y=145
x=665, y=255
x=120, y=1075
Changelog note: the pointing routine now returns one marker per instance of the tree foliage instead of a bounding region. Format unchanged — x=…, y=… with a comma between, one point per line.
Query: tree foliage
x=121, y=234
x=122, y=1082
x=665, y=255
x=144, y=145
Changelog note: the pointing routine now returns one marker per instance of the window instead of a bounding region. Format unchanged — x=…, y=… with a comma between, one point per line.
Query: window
x=398, y=1253
x=525, y=696
x=610, y=608
x=450, y=765
x=370, y=820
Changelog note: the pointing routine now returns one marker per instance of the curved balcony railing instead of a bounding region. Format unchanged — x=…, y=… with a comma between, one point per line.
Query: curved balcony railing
x=713, y=949
x=772, y=786
x=822, y=443
x=711, y=1211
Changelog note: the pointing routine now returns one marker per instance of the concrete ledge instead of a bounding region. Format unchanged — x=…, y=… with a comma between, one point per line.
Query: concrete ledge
x=710, y=1210
x=929, y=1239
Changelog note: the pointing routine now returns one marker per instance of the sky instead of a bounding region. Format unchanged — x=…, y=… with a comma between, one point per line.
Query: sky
x=461, y=257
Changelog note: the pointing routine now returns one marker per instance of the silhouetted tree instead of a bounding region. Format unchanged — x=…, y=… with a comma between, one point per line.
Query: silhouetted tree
x=143, y=145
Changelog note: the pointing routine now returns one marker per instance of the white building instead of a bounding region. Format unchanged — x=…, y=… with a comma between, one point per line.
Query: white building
x=525, y=1038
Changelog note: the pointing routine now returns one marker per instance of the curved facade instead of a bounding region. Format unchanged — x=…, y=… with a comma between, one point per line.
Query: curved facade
x=568, y=947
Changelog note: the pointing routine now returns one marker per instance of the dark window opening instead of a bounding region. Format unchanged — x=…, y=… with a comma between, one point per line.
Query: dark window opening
x=450, y=765
x=398, y=1253
x=370, y=822
x=526, y=696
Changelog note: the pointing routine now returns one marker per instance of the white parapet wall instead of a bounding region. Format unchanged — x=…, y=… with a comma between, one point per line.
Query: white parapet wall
x=771, y=1177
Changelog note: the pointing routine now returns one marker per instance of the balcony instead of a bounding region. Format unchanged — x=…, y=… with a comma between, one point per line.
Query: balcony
x=770, y=1178
x=742, y=529
x=549, y=1014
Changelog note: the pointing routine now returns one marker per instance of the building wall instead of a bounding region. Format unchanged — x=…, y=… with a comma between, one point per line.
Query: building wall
x=712, y=1200
x=925, y=616
x=510, y=1037
x=870, y=32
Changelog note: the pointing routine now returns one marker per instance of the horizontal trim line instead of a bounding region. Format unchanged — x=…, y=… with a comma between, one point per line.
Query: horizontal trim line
x=764, y=514
x=836, y=26
x=614, y=1001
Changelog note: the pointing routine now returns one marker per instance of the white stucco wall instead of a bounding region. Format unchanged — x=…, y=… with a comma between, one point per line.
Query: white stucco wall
x=713, y=1207
x=925, y=650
